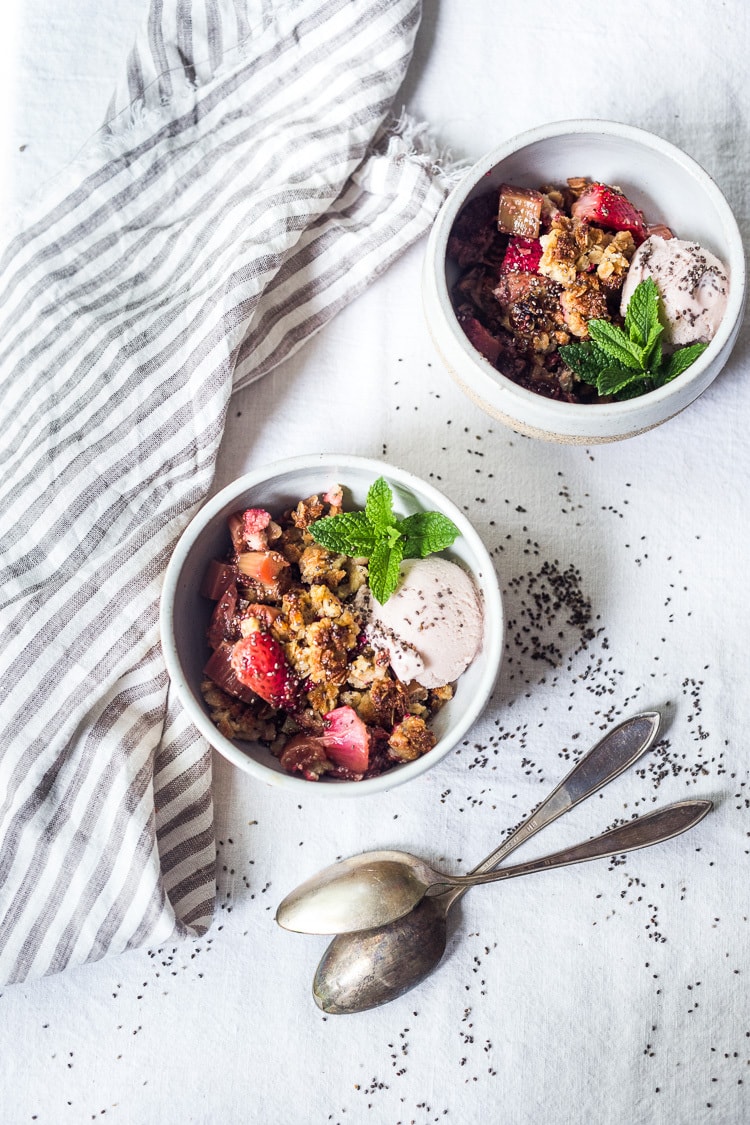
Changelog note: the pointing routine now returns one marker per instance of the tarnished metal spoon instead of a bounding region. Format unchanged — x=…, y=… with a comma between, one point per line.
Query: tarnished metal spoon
x=376, y=888
x=363, y=970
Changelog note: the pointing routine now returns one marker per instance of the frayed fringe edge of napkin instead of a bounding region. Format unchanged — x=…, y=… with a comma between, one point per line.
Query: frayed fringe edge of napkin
x=405, y=138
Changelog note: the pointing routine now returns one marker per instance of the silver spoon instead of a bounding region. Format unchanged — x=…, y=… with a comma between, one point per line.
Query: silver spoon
x=376, y=888
x=362, y=970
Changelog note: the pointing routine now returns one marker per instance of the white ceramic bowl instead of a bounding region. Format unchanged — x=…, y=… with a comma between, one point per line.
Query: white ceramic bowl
x=669, y=187
x=185, y=613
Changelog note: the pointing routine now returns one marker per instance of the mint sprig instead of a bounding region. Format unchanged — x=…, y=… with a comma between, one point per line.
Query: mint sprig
x=630, y=362
x=376, y=534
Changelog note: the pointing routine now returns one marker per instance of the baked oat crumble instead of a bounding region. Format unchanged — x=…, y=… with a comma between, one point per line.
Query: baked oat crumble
x=537, y=265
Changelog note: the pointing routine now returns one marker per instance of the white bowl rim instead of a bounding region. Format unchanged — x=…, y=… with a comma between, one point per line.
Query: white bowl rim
x=573, y=411
x=492, y=645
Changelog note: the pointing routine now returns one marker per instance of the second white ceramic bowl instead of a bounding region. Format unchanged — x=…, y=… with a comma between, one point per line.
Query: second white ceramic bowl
x=669, y=187
x=185, y=614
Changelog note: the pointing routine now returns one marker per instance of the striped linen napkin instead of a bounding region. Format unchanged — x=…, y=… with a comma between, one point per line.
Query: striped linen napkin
x=243, y=189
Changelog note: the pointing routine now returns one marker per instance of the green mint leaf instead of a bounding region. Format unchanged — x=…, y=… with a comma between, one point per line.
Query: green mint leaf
x=349, y=533
x=585, y=360
x=384, y=569
x=635, y=389
x=679, y=361
x=652, y=348
x=379, y=505
x=642, y=313
x=616, y=344
x=377, y=535
x=425, y=533
x=630, y=363
x=615, y=379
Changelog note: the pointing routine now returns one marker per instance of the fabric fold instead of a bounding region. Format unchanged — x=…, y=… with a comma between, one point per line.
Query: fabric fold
x=242, y=191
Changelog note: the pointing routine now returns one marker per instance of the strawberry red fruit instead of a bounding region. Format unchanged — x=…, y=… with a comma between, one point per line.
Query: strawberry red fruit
x=259, y=663
x=609, y=208
x=346, y=739
x=255, y=522
x=522, y=256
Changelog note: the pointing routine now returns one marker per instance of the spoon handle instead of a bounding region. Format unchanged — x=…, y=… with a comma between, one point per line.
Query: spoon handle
x=611, y=756
x=641, y=832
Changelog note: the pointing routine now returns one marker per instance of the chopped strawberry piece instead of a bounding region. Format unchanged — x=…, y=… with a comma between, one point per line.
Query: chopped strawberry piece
x=608, y=207
x=334, y=497
x=522, y=256
x=520, y=211
x=259, y=662
x=346, y=739
x=262, y=566
x=254, y=524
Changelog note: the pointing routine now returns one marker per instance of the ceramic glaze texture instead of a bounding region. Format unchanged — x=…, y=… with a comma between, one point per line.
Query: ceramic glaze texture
x=669, y=187
x=185, y=614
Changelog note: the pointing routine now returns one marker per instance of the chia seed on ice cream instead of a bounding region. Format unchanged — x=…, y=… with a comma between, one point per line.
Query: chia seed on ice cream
x=692, y=282
x=431, y=625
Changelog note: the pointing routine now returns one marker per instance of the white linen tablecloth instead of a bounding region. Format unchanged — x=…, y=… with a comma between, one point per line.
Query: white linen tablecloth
x=607, y=993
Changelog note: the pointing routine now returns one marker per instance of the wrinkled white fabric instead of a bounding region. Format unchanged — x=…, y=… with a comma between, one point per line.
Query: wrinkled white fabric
x=612, y=994
x=230, y=207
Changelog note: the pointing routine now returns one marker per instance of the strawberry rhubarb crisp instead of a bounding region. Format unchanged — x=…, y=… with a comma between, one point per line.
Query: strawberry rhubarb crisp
x=544, y=293
x=291, y=663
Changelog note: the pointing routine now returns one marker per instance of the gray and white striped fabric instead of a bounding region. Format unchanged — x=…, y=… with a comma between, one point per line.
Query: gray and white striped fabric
x=243, y=189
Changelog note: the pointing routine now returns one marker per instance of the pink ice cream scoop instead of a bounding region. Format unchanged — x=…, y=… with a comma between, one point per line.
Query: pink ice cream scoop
x=431, y=625
x=693, y=284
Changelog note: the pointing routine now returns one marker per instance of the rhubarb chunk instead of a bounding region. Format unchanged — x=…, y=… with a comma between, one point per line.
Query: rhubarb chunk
x=485, y=343
x=346, y=739
x=219, y=577
x=305, y=754
x=268, y=572
x=262, y=566
x=222, y=625
x=520, y=211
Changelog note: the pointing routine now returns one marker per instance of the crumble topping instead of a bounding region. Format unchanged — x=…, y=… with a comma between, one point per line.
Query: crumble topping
x=290, y=592
x=533, y=277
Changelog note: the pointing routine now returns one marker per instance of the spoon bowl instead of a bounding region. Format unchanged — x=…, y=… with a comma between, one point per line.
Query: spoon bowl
x=365, y=970
x=357, y=894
